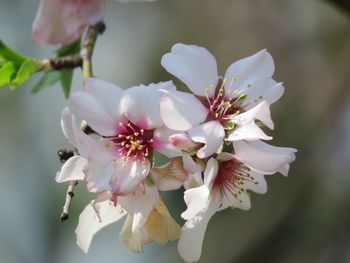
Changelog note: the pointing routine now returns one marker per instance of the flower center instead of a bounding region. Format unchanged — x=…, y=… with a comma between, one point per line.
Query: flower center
x=133, y=142
x=222, y=106
x=231, y=177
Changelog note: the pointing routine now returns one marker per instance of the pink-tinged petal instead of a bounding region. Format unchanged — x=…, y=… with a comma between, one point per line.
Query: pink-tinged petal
x=211, y=171
x=195, y=66
x=72, y=170
x=139, y=205
x=182, y=141
x=128, y=174
x=211, y=134
x=181, y=111
x=62, y=22
x=241, y=201
x=90, y=222
x=196, y=200
x=169, y=176
x=262, y=157
x=247, y=70
x=74, y=134
x=162, y=143
x=192, y=234
x=257, y=184
x=264, y=89
x=94, y=113
x=141, y=104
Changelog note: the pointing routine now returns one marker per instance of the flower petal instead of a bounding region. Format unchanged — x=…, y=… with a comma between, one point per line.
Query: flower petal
x=62, y=22
x=241, y=201
x=196, y=200
x=245, y=71
x=192, y=234
x=161, y=142
x=262, y=157
x=257, y=184
x=169, y=176
x=181, y=111
x=211, y=134
x=74, y=134
x=211, y=171
x=90, y=222
x=133, y=242
x=141, y=104
x=194, y=171
x=98, y=105
x=193, y=65
x=72, y=170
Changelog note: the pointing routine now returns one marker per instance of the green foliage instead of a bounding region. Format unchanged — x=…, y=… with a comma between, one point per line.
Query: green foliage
x=14, y=68
x=64, y=76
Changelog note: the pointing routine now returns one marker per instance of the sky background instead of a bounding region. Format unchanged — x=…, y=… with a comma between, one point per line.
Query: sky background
x=302, y=218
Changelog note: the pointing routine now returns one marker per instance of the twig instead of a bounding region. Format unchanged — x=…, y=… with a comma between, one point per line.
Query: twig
x=85, y=56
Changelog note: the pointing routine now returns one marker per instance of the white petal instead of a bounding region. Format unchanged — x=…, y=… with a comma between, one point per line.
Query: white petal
x=169, y=176
x=192, y=234
x=181, y=111
x=141, y=104
x=247, y=70
x=211, y=171
x=72, y=170
x=194, y=171
x=242, y=201
x=211, y=134
x=90, y=223
x=161, y=142
x=98, y=104
x=193, y=65
x=262, y=157
x=258, y=185
x=74, y=134
x=139, y=205
x=262, y=89
x=248, y=131
x=196, y=200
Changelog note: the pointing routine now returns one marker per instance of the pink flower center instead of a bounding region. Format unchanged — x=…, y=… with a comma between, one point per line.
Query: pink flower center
x=133, y=142
x=221, y=106
x=231, y=177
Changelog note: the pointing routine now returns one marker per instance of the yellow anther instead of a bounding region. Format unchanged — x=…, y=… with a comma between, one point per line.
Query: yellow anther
x=234, y=79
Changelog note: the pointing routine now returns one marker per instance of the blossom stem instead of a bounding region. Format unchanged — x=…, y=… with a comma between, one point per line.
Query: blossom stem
x=84, y=58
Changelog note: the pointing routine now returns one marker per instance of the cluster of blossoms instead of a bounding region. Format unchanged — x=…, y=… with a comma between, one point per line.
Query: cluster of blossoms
x=212, y=137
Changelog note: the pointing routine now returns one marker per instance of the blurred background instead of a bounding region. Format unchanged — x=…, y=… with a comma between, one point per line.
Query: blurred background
x=302, y=218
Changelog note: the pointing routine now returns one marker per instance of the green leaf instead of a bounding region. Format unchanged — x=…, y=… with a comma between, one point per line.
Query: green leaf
x=7, y=70
x=8, y=54
x=66, y=81
x=49, y=79
x=27, y=69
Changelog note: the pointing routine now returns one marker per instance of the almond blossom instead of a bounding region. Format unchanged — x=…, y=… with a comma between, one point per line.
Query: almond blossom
x=131, y=130
x=219, y=108
x=227, y=178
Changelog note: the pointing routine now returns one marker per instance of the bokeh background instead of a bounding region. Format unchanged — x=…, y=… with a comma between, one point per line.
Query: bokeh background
x=302, y=218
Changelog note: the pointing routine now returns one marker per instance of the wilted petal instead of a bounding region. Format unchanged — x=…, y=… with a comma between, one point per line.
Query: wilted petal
x=72, y=170
x=245, y=71
x=193, y=65
x=90, y=222
x=181, y=111
x=133, y=242
x=262, y=157
x=169, y=176
x=211, y=134
x=141, y=104
x=62, y=22
x=160, y=225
